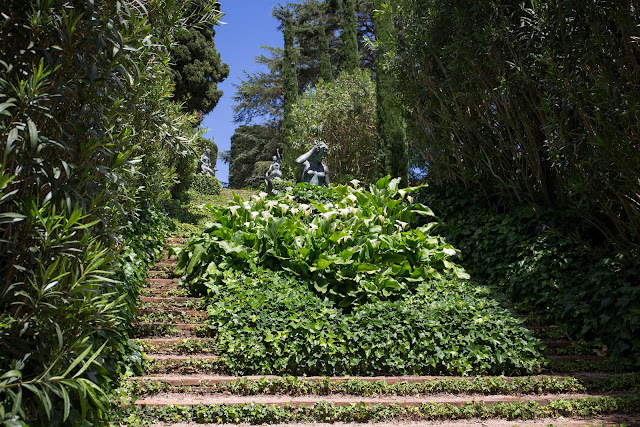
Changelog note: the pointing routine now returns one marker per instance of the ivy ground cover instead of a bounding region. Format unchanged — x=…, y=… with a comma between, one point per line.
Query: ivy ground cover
x=346, y=285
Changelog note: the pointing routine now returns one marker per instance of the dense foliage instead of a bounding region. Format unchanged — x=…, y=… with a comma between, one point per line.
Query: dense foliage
x=543, y=264
x=91, y=140
x=446, y=327
x=342, y=114
x=533, y=101
x=289, y=82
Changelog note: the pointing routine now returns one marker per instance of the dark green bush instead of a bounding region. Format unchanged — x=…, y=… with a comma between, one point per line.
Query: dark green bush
x=547, y=263
x=281, y=326
x=206, y=184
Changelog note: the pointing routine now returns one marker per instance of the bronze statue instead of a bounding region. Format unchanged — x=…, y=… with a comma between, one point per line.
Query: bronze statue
x=313, y=170
x=273, y=173
x=205, y=163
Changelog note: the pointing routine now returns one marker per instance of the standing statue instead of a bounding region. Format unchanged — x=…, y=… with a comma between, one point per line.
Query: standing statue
x=313, y=170
x=205, y=163
x=273, y=173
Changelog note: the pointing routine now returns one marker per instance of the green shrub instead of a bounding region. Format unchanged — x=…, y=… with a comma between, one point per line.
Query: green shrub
x=538, y=257
x=357, y=250
x=206, y=184
x=281, y=326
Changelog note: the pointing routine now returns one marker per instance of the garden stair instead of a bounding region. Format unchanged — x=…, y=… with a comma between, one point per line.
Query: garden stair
x=185, y=382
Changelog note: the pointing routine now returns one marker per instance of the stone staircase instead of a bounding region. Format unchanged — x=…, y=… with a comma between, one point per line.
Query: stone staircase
x=186, y=382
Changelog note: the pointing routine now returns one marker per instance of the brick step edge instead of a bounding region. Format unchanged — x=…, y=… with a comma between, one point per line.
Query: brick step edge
x=170, y=300
x=191, y=399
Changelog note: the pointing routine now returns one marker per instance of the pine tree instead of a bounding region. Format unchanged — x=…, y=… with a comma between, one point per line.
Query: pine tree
x=259, y=94
x=349, y=57
x=393, y=152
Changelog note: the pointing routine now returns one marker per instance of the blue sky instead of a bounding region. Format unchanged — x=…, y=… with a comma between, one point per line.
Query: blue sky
x=248, y=24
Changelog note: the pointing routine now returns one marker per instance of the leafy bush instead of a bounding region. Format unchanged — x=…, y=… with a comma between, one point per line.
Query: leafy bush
x=357, y=250
x=446, y=327
x=539, y=259
x=66, y=335
x=206, y=184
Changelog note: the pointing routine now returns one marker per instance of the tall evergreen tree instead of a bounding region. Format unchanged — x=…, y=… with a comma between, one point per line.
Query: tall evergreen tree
x=324, y=59
x=392, y=148
x=197, y=67
x=289, y=78
x=349, y=57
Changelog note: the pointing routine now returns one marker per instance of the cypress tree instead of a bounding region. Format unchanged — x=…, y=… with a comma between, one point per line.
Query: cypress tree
x=393, y=151
x=290, y=82
x=349, y=58
x=324, y=58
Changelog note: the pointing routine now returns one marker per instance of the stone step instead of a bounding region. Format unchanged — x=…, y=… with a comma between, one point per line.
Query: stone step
x=164, y=265
x=172, y=364
x=157, y=356
x=163, y=282
x=192, y=399
x=190, y=380
x=170, y=300
x=167, y=330
x=176, y=345
x=629, y=420
x=164, y=292
x=557, y=343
